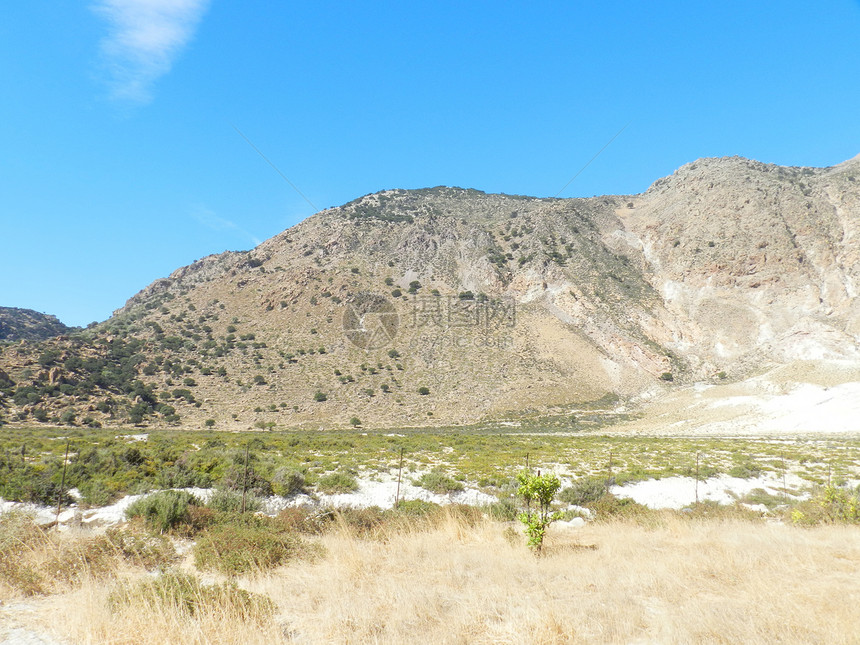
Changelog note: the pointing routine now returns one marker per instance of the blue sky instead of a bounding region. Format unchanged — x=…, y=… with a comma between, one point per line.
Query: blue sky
x=120, y=160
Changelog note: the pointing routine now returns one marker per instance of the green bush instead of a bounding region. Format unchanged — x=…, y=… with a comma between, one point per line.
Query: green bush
x=163, y=510
x=505, y=510
x=609, y=506
x=147, y=551
x=416, y=508
x=761, y=496
x=27, y=482
x=829, y=505
x=235, y=478
x=583, y=491
x=362, y=522
x=712, y=510
x=745, y=470
x=182, y=475
x=304, y=520
x=288, y=481
x=101, y=490
x=248, y=543
x=334, y=483
x=437, y=481
x=230, y=501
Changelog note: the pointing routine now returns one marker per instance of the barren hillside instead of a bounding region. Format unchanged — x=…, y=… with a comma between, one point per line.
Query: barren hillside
x=450, y=306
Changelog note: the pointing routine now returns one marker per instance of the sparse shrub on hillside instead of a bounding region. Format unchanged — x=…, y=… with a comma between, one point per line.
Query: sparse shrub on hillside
x=423, y=391
x=667, y=376
x=320, y=397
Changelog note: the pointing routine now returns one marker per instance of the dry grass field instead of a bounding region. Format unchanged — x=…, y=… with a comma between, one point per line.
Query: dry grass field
x=462, y=579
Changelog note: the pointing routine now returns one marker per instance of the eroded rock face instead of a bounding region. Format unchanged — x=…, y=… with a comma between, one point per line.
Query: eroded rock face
x=504, y=303
x=746, y=254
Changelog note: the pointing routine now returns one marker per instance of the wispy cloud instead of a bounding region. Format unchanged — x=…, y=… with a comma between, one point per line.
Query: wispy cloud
x=210, y=220
x=144, y=38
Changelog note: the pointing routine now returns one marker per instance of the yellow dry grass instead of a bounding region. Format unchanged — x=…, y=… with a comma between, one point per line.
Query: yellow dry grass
x=680, y=581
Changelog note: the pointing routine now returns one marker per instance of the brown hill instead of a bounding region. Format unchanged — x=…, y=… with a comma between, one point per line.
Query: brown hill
x=450, y=306
x=26, y=324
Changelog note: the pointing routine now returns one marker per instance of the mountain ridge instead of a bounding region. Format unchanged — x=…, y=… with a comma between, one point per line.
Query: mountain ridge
x=506, y=305
x=27, y=324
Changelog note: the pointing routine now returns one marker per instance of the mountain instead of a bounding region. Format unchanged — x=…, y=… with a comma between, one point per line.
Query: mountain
x=451, y=306
x=26, y=324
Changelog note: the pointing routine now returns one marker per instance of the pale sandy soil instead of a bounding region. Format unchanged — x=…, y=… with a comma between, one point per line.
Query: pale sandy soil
x=804, y=398
x=679, y=492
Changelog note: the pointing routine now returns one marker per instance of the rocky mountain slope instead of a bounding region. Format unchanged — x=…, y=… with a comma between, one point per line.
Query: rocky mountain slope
x=26, y=324
x=451, y=306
